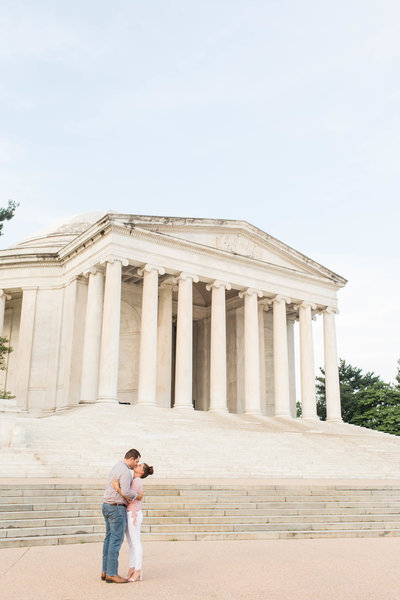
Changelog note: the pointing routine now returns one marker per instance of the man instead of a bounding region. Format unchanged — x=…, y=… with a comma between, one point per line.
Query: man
x=114, y=513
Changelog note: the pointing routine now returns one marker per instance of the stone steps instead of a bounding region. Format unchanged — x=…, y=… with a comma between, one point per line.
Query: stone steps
x=149, y=514
x=208, y=519
x=260, y=447
x=71, y=513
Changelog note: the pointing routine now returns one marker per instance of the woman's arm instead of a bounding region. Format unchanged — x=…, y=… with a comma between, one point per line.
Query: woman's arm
x=140, y=492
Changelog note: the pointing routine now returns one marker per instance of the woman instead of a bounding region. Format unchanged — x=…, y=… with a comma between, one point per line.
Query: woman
x=134, y=518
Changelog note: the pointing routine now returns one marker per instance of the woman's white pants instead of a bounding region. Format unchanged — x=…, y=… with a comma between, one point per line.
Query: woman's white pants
x=133, y=537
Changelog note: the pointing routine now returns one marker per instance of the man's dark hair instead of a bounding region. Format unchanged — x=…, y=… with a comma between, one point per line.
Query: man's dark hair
x=132, y=454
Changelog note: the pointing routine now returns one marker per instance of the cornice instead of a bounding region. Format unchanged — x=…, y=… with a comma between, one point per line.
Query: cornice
x=144, y=226
x=106, y=226
x=29, y=264
x=170, y=241
x=254, y=234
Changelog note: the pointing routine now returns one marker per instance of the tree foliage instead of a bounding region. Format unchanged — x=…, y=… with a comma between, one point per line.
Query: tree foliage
x=351, y=380
x=397, y=378
x=5, y=350
x=366, y=400
x=7, y=213
x=378, y=408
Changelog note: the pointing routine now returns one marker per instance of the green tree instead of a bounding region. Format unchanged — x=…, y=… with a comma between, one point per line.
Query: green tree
x=7, y=213
x=397, y=378
x=5, y=350
x=366, y=400
x=378, y=407
x=351, y=380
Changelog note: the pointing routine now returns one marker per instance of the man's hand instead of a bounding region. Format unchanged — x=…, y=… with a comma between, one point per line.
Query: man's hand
x=115, y=484
x=139, y=496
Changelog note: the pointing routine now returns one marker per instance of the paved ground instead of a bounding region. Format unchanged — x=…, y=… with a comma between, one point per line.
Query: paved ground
x=335, y=569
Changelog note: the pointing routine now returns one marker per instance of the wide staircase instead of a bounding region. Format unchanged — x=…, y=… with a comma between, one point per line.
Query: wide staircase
x=192, y=444
x=64, y=513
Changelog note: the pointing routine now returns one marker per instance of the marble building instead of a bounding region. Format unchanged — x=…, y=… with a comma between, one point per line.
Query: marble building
x=175, y=312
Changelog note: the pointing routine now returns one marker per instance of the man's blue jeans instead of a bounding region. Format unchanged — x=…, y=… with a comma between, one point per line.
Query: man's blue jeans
x=115, y=518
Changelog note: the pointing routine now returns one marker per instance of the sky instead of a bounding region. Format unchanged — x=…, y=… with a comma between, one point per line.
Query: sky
x=283, y=113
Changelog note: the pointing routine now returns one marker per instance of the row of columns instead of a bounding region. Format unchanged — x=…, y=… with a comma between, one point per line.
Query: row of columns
x=99, y=380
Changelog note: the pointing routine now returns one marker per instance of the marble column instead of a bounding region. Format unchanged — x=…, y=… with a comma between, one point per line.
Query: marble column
x=281, y=357
x=164, y=342
x=307, y=373
x=147, y=385
x=251, y=352
x=25, y=342
x=109, y=354
x=332, y=387
x=3, y=298
x=92, y=337
x=292, y=366
x=184, y=342
x=218, y=395
x=261, y=343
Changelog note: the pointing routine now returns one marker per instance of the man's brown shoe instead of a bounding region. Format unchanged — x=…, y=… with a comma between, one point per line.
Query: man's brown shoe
x=103, y=576
x=115, y=579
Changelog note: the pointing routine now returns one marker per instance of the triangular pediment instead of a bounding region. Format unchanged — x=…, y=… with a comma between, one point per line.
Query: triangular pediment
x=237, y=238
x=239, y=243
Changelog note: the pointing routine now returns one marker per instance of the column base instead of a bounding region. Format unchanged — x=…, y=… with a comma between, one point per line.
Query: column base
x=183, y=407
x=283, y=415
x=252, y=411
x=334, y=420
x=218, y=410
x=310, y=417
x=142, y=403
x=88, y=401
x=107, y=400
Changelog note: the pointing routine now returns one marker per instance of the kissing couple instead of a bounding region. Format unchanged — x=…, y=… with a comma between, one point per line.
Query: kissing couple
x=122, y=514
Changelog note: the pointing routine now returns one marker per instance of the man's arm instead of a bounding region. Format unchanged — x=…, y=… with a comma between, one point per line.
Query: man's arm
x=116, y=486
x=125, y=485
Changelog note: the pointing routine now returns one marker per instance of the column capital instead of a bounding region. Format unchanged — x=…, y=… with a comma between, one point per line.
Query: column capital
x=330, y=310
x=279, y=298
x=169, y=282
x=265, y=304
x=93, y=271
x=148, y=268
x=251, y=292
x=187, y=276
x=6, y=296
x=111, y=258
x=218, y=284
x=305, y=304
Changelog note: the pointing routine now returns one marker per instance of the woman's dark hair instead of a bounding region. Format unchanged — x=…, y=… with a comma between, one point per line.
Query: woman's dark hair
x=147, y=471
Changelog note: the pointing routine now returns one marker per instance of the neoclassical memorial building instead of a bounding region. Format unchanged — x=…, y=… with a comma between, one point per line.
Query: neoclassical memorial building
x=176, y=312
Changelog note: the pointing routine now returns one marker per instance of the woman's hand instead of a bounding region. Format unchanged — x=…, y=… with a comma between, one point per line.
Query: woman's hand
x=115, y=484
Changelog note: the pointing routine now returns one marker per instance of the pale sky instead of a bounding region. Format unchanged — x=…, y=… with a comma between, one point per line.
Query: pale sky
x=281, y=113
